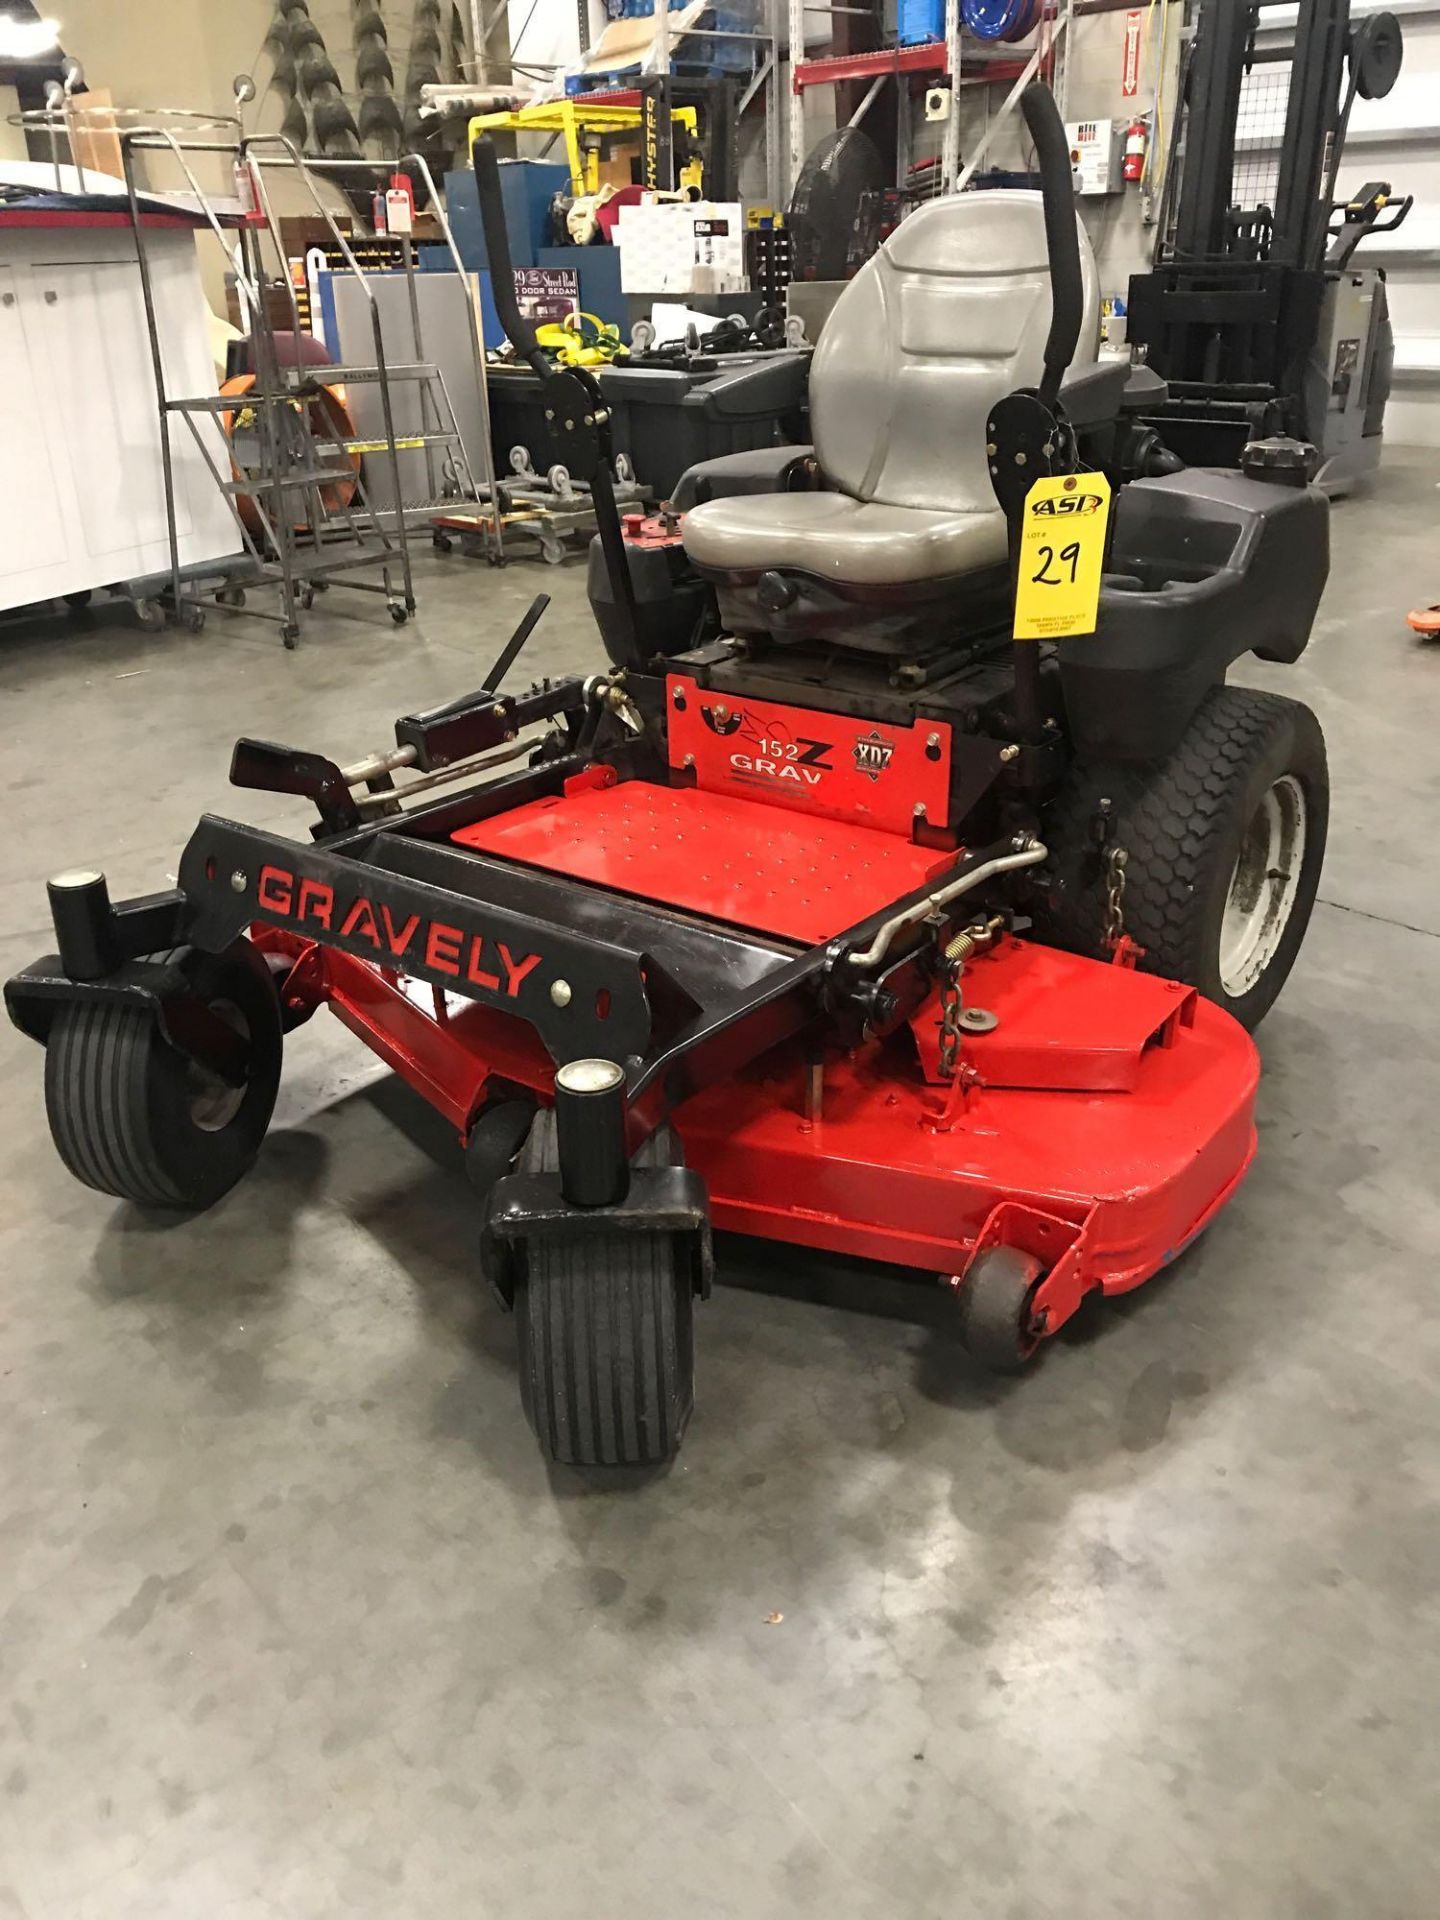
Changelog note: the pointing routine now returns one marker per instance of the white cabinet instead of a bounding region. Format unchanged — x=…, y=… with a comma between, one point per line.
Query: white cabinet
x=80, y=461
x=34, y=518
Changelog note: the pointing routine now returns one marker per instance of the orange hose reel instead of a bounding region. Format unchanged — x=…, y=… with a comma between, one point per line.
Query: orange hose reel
x=329, y=418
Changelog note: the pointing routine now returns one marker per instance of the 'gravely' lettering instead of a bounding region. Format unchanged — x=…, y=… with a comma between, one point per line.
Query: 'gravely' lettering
x=489, y=981
x=442, y=947
x=398, y=942
x=317, y=902
x=276, y=890
x=515, y=970
x=359, y=922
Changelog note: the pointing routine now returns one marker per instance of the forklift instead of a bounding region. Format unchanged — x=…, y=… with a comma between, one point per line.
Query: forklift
x=1257, y=317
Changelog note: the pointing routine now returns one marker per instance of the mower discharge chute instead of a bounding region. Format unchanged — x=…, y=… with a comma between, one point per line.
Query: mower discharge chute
x=828, y=912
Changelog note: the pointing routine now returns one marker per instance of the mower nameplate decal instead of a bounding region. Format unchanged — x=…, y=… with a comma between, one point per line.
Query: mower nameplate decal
x=814, y=762
x=1062, y=554
x=235, y=877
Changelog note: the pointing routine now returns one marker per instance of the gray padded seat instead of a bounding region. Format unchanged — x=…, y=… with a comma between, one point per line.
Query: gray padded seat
x=949, y=316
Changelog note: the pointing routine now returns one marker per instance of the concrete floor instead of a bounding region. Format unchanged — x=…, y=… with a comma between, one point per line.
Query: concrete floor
x=295, y=1621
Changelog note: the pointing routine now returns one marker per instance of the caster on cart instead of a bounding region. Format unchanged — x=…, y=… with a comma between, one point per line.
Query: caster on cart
x=441, y=542
x=305, y=599
x=79, y=599
x=230, y=597
x=290, y=633
x=192, y=618
x=168, y=1110
x=150, y=615
x=398, y=613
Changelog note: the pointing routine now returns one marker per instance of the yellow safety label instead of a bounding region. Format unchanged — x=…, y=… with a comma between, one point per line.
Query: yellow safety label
x=1062, y=551
x=404, y=444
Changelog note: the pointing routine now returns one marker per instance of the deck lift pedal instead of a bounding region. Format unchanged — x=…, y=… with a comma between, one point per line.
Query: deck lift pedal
x=827, y=912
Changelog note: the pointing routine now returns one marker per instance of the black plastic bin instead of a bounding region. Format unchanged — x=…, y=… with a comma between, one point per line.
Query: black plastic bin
x=665, y=418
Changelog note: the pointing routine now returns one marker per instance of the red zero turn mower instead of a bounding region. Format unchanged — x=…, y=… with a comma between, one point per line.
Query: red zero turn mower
x=830, y=912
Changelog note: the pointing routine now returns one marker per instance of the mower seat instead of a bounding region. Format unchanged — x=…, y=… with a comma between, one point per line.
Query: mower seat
x=947, y=318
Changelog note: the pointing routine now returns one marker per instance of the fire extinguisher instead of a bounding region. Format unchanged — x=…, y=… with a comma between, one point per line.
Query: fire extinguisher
x=1136, y=134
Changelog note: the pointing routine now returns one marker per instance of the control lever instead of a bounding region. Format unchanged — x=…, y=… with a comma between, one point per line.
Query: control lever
x=442, y=735
x=1062, y=239
x=272, y=768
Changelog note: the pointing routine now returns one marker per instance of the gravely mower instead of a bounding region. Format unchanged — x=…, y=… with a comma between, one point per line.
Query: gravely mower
x=830, y=912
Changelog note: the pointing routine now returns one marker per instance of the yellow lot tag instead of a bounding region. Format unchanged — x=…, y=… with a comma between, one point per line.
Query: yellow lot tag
x=1062, y=549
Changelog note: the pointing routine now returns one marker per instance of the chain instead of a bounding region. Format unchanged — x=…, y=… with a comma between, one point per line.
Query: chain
x=1115, y=863
x=957, y=950
x=950, y=1005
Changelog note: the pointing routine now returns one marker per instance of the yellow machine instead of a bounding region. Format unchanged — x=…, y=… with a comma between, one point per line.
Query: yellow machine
x=585, y=123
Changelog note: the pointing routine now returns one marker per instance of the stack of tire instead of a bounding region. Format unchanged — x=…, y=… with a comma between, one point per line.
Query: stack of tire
x=380, y=125
x=285, y=79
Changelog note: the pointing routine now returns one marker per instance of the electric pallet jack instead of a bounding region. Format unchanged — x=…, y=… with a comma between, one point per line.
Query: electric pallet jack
x=827, y=911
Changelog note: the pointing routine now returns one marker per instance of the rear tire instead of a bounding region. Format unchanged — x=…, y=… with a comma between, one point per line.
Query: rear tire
x=1225, y=839
x=606, y=1330
x=133, y=1116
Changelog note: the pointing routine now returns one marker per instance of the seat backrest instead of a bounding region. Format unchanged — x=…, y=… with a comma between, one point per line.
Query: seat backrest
x=949, y=316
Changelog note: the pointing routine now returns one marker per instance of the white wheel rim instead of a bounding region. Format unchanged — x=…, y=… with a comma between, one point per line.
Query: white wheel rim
x=1263, y=887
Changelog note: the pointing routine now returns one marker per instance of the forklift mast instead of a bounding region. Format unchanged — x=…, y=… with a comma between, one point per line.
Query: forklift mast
x=1209, y=227
x=1232, y=312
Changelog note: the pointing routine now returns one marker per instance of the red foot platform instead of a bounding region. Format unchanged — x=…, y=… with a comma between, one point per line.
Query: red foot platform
x=739, y=861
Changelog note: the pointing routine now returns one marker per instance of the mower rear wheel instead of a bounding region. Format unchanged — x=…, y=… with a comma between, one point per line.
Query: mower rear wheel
x=996, y=1319
x=134, y=1116
x=1224, y=841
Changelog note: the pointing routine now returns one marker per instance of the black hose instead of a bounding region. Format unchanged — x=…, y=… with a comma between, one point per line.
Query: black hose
x=1062, y=239
x=518, y=329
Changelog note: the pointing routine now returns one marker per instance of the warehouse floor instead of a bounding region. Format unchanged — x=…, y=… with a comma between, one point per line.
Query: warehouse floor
x=295, y=1621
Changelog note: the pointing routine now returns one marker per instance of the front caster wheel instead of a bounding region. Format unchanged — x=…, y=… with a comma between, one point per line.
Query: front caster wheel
x=606, y=1331
x=996, y=1299
x=398, y=613
x=133, y=1115
x=607, y=1357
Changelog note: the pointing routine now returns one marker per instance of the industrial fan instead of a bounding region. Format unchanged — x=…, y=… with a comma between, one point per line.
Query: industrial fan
x=835, y=210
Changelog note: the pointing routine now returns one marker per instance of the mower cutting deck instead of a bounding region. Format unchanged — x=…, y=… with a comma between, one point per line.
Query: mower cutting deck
x=829, y=913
